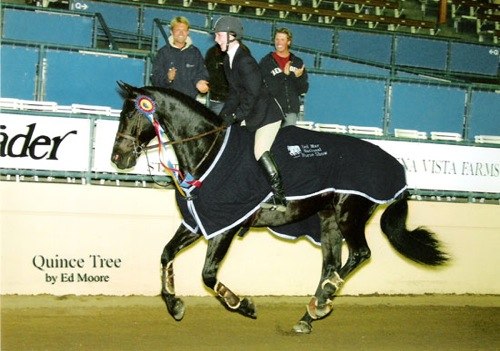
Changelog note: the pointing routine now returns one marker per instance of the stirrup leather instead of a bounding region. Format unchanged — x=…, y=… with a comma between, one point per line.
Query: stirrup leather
x=273, y=204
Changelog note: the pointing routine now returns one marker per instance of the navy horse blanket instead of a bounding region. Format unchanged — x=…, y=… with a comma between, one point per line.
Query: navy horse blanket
x=310, y=163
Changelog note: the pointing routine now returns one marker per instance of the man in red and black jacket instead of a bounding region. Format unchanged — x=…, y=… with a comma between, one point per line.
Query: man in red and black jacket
x=285, y=75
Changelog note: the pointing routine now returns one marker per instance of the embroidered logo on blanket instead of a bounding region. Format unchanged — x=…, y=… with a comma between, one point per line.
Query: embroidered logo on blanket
x=305, y=151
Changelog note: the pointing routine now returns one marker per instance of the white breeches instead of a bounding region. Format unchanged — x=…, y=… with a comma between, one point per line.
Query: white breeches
x=264, y=138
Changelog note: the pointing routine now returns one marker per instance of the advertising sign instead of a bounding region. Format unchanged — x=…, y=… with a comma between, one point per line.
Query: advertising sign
x=45, y=143
x=447, y=167
x=64, y=144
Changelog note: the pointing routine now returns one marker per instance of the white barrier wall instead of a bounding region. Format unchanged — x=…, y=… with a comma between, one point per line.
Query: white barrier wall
x=111, y=239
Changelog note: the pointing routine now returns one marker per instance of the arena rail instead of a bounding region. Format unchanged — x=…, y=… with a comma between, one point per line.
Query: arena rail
x=435, y=168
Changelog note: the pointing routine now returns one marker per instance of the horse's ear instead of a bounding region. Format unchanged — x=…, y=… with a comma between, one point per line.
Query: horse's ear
x=126, y=90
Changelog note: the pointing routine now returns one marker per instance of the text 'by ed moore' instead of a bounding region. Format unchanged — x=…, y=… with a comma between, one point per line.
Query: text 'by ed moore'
x=93, y=261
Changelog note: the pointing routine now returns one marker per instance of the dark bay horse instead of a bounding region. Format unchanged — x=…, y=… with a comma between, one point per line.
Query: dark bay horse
x=197, y=135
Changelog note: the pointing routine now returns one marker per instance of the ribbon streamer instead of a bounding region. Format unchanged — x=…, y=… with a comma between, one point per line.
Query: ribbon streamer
x=147, y=107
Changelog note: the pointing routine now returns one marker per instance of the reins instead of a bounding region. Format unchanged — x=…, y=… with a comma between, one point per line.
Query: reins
x=196, y=137
x=218, y=130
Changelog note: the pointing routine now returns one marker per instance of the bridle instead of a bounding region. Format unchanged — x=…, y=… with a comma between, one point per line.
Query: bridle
x=147, y=107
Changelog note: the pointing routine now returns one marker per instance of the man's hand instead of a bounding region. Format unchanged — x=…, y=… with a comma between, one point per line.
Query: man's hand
x=299, y=71
x=171, y=74
x=286, y=69
x=202, y=86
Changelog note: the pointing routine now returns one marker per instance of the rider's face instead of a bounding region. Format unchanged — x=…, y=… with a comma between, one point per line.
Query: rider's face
x=221, y=38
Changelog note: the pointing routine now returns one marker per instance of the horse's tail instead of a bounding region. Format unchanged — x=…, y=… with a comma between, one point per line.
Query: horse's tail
x=419, y=245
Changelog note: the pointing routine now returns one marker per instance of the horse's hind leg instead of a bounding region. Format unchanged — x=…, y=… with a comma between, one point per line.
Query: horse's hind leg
x=358, y=211
x=216, y=251
x=331, y=248
x=182, y=238
x=352, y=213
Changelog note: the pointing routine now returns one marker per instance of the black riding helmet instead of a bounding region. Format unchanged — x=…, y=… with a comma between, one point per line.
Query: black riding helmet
x=230, y=25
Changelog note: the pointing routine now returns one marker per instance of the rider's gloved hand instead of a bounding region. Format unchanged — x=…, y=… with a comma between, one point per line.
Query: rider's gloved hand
x=229, y=118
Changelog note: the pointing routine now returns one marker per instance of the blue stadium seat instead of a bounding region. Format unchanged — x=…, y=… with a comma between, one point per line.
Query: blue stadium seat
x=18, y=67
x=90, y=78
x=345, y=100
x=484, y=114
x=48, y=27
x=427, y=108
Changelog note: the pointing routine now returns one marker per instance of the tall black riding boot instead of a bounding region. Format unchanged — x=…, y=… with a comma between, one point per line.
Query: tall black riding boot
x=278, y=201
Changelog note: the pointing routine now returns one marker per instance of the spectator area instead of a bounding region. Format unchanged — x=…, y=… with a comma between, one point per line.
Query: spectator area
x=357, y=78
x=48, y=27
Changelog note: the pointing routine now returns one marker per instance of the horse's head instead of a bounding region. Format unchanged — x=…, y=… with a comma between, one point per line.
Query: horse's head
x=190, y=126
x=135, y=129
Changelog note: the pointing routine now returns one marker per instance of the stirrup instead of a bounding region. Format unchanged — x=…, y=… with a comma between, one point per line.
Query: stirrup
x=272, y=205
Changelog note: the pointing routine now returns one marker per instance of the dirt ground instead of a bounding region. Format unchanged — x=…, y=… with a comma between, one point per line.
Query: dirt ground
x=142, y=323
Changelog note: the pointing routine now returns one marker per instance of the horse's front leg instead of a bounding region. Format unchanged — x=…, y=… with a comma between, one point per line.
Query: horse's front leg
x=182, y=238
x=216, y=251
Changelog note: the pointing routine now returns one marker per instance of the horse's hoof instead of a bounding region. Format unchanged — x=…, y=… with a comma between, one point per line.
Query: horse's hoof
x=175, y=306
x=178, y=310
x=247, y=308
x=302, y=327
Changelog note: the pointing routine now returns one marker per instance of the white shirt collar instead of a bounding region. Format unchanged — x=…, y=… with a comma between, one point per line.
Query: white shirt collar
x=231, y=51
x=189, y=42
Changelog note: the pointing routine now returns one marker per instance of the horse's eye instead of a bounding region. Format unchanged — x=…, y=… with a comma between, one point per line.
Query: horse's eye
x=130, y=115
x=138, y=149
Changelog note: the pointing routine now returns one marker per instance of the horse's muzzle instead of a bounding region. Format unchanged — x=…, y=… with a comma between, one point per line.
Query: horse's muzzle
x=123, y=162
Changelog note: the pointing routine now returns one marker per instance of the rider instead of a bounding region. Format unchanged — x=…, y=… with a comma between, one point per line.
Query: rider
x=250, y=101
